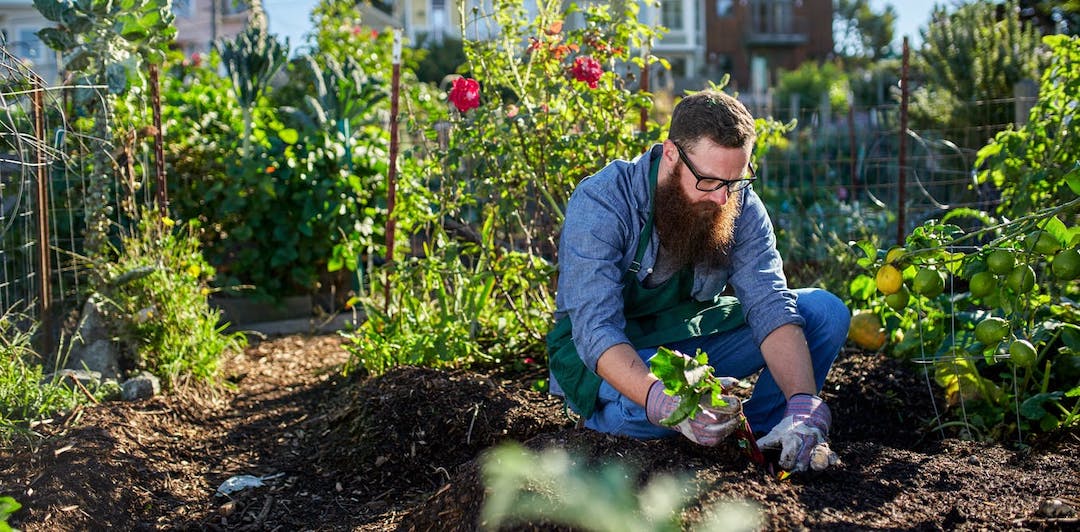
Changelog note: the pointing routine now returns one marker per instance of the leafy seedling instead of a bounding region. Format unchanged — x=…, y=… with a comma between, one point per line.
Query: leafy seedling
x=691, y=379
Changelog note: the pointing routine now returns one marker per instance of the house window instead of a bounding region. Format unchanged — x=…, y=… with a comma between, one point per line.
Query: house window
x=725, y=8
x=439, y=20
x=183, y=8
x=29, y=45
x=671, y=15
x=773, y=16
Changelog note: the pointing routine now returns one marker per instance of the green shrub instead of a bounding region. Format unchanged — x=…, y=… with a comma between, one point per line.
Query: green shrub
x=156, y=297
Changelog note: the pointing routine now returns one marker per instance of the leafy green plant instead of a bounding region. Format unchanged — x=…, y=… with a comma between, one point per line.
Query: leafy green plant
x=970, y=60
x=1035, y=165
x=690, y=379
x=156, y=298
x=105, y=43
x=1001, y=331
x=25, y=395
x=555, y=487
x=8, y=506
x=471, y=303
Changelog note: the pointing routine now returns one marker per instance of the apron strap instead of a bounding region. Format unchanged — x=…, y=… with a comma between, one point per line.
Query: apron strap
x=646, y=232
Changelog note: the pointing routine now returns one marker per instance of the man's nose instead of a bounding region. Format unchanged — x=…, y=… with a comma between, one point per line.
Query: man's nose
x=718, y=196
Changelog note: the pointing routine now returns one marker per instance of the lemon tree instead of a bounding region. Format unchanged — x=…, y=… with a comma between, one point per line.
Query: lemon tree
x=945, y=297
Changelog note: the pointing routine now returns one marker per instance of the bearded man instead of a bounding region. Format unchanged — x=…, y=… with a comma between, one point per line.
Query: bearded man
x=647, y=251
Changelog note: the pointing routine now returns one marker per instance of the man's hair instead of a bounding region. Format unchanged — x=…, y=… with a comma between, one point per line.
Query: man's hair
x=714, y=115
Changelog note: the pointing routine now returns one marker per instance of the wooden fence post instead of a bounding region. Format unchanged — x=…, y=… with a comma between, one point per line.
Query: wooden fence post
x=44, y=264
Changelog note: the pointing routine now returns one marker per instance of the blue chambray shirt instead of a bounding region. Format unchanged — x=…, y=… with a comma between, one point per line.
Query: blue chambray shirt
x=605, y=216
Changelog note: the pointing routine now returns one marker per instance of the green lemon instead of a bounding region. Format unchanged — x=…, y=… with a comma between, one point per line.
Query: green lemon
x=991, y=331
x=1066, y=265
x=982, y=284
x=1000, y=261
x=1021, y=280
x=928, y=283
x=899, y=300
x=1042, y=242
x=1022, y=353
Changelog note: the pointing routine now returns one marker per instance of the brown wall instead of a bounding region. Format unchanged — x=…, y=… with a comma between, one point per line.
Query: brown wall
x=733, y=37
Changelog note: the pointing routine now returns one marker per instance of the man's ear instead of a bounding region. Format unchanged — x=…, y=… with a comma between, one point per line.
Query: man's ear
x=670, y=152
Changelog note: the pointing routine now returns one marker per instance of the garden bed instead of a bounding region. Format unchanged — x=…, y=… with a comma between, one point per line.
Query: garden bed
x=400, y=452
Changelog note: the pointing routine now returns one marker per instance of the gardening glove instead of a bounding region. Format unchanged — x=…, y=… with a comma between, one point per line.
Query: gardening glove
x=803, y=435
x=708, y=427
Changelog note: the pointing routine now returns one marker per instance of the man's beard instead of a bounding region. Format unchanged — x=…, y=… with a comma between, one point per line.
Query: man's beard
x=695, y=232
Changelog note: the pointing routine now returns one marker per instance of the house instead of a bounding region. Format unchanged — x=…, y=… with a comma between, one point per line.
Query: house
x=198, y=23
x=201, y=22
x=754, y=39
x=19, y=24
x=749, y=39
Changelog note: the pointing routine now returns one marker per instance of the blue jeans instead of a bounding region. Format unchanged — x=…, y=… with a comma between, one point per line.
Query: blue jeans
x=733, y=353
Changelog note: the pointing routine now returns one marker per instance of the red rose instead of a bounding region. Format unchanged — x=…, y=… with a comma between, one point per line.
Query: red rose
x=587, y=70
x=465, y=94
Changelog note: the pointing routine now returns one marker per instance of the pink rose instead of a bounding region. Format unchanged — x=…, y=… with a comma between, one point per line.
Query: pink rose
x=465, y=94
x=587, y=70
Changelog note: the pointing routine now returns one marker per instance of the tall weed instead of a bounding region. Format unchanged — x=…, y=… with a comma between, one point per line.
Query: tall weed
x=156, y=296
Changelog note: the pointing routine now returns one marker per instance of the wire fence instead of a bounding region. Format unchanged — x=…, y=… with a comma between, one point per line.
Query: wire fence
x=854, y=175
x=44, y=173
x=841, y=175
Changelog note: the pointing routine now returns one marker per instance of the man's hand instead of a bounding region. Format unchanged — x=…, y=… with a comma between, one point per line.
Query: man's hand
x=803, y=435
x=709, y=427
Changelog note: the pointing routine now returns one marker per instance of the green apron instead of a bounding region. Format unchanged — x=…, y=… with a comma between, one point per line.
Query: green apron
x=665, y=314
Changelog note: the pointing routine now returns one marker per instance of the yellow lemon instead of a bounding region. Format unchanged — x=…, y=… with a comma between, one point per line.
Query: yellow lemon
x=866, y=331
x=889, y=279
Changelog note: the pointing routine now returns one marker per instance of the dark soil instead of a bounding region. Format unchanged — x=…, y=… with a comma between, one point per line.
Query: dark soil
x=402, y=451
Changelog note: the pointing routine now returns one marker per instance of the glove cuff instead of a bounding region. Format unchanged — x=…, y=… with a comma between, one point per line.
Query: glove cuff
x=658, y=405
x=809, y=409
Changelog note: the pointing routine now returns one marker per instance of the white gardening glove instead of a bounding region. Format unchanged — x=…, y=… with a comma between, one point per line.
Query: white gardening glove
x=803, y=435
x=708, y=427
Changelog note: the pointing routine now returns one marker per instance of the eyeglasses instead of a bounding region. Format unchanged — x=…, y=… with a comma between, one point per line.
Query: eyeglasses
x=709, y=184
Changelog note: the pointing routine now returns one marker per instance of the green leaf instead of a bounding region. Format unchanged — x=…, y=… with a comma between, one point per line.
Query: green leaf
x=8, y=506
x=862, y=287
x=1073, y=179
x=1032, y=408
x=57, y=39
x=53, y=10
x=289, y=136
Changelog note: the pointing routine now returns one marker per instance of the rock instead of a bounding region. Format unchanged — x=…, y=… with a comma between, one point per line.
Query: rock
x=141, y=386
x=92, y=347
x=1055, y=508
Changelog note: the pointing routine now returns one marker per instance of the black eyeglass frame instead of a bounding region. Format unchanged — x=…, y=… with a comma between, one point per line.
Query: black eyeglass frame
x=729, y=183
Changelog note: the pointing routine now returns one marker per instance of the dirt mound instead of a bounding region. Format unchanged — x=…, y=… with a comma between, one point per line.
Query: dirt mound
x=403, y=451
x=408, y=429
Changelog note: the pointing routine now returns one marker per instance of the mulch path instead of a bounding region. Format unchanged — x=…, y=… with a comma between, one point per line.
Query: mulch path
x=403, y=451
